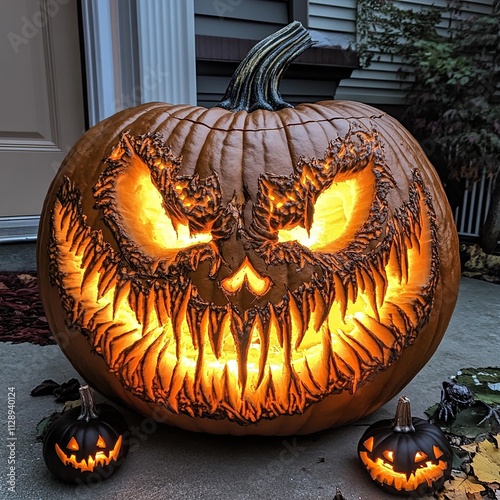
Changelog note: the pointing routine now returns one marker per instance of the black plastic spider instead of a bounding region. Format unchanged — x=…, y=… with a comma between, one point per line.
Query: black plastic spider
x=454, y=397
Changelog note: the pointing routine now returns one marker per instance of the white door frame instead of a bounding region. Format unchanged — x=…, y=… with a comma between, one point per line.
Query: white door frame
x=167, y=69
x=167, y=58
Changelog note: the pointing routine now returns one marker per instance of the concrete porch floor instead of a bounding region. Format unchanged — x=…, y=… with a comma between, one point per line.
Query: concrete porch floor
x=169, y=463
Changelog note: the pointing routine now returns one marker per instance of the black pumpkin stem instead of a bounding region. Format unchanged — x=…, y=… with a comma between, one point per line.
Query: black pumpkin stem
x=403, y=420
x=88, y=407
x=255, y=82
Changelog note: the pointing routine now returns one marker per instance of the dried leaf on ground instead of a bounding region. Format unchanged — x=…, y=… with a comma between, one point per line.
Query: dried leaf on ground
x=486, y=462
x=461, y=489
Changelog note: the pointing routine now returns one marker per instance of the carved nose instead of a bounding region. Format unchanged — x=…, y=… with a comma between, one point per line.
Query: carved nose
x=247, y=275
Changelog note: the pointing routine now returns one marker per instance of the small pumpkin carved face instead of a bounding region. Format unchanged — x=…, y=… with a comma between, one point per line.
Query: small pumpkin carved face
x=415, y=459
x=83, y=442
x=236, y=266
x=87, y=449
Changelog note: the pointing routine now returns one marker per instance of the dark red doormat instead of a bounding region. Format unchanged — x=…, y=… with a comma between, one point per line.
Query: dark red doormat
x=22, y=318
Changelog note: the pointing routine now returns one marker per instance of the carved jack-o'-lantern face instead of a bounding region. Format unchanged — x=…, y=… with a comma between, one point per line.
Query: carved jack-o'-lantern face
x=248, y=265
x=409, y=458
x=85, y=442
x=88, y=455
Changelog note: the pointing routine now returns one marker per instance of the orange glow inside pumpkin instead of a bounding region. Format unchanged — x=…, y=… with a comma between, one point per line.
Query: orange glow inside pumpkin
x=152, y=229
x=338, y=212
x=99, y=459
x=383, y=472
x=246, y=275
x=198, y=363
x=358, y=333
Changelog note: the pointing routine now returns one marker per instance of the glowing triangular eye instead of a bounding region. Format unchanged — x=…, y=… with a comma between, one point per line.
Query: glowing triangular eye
x=368, y=444
x=437, y=452
x=389, y=455
x=73, y=445
x=419, y=456
x=100, y=442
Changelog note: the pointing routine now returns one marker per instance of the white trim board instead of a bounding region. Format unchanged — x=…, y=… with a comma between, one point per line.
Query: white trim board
x=21, y=229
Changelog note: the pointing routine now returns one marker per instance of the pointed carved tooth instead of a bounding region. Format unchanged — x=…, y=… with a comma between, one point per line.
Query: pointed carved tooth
x=360, y=281
x=380, y=279
x=298, y=329
x=200, y=377
x=107, y=279
x=67, y=213
x=241, y=330
x=365, y=358
x=82, y=239
x=352, y=356
x=122, y=292
x=371, y=342
x=296, y=393
x=163, y=377
x=71, y=232
x=401, y=321
x=99, y=331
x=216, y=326
x=90, y=273
x=352, y=288
x=306, y=310
x=149, y=308
x=340, y=294
x=176, y=383
x=136, y=302
x=321, y=311
x=284, y=321
x=384, y=334
x=122, y=338
x=133, y=359
x=317, y=387
x=193, y=317
x=162, y=305
x=88, y=255
x=370, y=289
x=262, y=324
x=179, y=301
x=274, y=324
x=227, y=400
x=346, y=374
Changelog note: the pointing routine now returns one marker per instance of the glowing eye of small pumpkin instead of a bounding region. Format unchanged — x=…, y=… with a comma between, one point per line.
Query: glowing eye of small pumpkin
x=100, y=442
x=419, y=456
x=368, y=444
x=73, y=445
x=389, y=455
x=437, y=452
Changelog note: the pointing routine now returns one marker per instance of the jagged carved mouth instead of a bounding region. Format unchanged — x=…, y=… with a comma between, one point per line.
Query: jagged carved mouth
x=427, y=473
x=100, y=458
x=168, y=343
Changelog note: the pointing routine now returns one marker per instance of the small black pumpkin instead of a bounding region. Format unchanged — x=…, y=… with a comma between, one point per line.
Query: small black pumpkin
x=406, y=456
x=86, y=444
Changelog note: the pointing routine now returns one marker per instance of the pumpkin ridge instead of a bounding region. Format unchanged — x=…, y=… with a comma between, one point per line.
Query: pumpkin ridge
x=286, y=123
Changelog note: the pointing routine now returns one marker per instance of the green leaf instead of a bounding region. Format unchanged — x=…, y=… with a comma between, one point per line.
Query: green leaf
x=483, y=382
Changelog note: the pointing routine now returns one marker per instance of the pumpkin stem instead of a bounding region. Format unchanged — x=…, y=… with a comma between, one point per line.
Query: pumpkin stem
x=255, y=82
x=88, y=408
x=403, y=421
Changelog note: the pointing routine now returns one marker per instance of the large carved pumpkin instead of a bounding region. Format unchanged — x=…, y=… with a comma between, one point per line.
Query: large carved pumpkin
x=250, y=268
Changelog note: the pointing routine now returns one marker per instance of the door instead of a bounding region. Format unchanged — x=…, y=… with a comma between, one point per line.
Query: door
x=41, y=100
